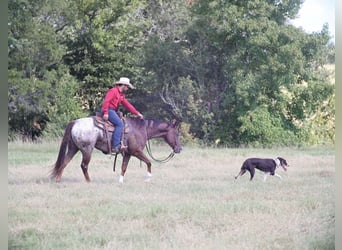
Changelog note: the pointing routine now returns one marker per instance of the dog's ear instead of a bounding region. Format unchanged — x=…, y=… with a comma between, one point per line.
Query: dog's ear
x=283, y=161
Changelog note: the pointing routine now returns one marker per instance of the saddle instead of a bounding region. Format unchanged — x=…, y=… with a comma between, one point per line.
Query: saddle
x=109, y=127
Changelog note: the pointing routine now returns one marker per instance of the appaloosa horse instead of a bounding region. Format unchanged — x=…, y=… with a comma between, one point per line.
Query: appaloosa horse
x=83, y=135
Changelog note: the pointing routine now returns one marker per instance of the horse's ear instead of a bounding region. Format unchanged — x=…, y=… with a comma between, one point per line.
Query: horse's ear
x=175, y=123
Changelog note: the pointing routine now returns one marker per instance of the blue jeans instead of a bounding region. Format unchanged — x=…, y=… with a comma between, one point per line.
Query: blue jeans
x=114, y=118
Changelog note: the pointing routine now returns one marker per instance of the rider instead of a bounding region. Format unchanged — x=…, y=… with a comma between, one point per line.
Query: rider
x=114, y=97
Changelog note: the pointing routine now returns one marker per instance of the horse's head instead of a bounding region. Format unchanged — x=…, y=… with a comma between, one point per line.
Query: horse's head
x=172, y=136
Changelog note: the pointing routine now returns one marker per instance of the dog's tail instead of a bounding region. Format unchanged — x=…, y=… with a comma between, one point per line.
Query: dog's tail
x=242, y=171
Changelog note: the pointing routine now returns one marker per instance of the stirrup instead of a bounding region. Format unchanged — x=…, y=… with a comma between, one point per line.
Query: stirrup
x=115, y=150
x=123, y=146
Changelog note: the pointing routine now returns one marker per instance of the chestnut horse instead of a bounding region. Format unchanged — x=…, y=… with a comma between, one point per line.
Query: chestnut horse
x=83, y=135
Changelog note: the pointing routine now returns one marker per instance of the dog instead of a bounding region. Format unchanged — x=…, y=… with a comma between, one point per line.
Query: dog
x=267, y=165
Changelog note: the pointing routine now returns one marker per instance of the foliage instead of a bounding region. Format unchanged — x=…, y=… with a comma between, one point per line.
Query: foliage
x=34, y=52
x=239, y=55
x=26, y=101
x=235, y=72
x=259, y=127
x=65, y=107
x=102, y=42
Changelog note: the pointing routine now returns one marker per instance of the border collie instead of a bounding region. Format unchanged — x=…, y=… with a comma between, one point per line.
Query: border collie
x=268, y=166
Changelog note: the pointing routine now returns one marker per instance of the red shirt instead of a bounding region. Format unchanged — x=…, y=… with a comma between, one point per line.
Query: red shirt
x=114, y=98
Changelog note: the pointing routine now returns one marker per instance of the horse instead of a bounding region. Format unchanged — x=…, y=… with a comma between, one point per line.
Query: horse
x=83, y=135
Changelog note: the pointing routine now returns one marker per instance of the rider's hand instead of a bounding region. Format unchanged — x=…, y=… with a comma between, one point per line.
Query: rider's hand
x=105, y=117
x=140, y=116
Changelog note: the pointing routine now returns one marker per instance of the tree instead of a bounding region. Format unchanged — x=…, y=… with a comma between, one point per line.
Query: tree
x=30, y=53
x=240, y=56
x=235, y=72
x=102, y=42
x=76, y=48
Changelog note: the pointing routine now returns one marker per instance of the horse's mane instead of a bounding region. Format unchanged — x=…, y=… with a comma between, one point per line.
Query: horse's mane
x=139, y=123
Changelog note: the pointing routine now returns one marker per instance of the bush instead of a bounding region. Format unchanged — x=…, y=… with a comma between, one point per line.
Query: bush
x=67, y=106
x=260, y=128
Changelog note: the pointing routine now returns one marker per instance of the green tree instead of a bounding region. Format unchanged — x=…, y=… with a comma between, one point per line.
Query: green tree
x=66, y=104
x=76, y=48
x=240, y=55
x=235, y=72
x=35, y=69
x=102, y=39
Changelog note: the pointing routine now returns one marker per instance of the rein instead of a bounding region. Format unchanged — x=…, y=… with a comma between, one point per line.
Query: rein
x=149, y=151
x=148, y=147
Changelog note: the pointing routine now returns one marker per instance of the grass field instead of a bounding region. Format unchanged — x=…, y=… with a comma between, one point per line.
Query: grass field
x=192, y=202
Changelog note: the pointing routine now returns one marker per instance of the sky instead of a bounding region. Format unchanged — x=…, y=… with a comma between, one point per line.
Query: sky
x=314, y=13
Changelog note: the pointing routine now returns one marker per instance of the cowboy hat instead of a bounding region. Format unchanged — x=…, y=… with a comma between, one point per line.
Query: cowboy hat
x=125, y=81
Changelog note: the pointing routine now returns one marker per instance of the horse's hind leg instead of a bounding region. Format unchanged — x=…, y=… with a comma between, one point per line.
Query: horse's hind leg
x=72, y=150
x=86, y=156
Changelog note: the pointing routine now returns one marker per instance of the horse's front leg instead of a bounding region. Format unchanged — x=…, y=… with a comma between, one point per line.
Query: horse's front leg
x=141, y=156
x=124, y=165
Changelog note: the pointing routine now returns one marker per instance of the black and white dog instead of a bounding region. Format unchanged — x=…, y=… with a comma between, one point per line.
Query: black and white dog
x=268, y=166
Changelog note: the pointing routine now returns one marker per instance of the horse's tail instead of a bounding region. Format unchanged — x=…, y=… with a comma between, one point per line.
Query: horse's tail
x=62, y=150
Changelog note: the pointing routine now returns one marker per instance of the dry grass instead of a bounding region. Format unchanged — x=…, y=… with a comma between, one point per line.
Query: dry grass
x=193, y=202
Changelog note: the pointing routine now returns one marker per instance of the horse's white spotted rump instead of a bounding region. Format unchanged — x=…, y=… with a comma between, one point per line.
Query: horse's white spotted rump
x=84, y=132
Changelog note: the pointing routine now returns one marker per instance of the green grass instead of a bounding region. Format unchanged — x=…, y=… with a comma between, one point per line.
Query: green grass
x=192, y=202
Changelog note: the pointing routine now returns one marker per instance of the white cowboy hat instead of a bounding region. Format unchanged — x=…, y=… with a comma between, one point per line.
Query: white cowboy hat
x=125, y=81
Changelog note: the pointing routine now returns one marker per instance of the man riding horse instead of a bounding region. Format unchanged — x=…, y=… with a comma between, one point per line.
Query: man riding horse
x=84, y=135
x=114, y=97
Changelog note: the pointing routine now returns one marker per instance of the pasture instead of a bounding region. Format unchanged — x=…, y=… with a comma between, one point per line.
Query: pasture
x=192, y=202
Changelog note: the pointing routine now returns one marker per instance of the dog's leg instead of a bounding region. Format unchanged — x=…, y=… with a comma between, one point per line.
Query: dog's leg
x=278, y=175
x=252, y=172
x=265, y=176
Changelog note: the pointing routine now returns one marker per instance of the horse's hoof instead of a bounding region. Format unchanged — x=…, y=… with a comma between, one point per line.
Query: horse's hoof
x=121, y=179
x=148, y=177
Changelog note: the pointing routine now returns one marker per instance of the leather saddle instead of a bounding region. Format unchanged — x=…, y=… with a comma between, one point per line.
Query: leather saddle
x=108, y=128
x=102, y=124
x=107, y=125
